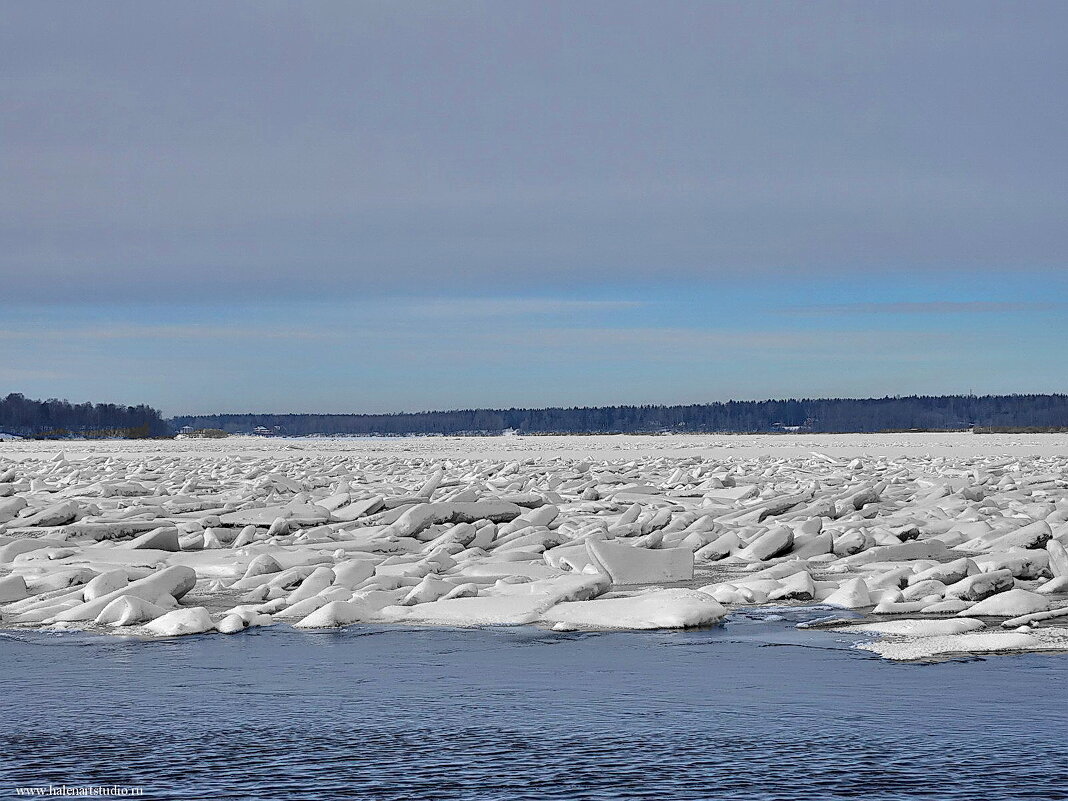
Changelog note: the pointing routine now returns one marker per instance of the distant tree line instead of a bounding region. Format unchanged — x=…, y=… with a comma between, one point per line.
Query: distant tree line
x=825, y=415
x=58, y=418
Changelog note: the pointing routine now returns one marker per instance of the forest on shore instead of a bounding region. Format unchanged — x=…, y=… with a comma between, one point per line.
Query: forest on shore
x=818, y=415
x=54, y=418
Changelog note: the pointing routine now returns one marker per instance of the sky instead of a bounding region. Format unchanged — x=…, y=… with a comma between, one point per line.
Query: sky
x=399, y=206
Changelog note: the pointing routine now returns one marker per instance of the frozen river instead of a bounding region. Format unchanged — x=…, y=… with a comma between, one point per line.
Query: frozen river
x=345, y=568
x=747, y=710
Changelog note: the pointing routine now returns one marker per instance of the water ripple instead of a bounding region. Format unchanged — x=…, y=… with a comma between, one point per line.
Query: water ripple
x=480, y=715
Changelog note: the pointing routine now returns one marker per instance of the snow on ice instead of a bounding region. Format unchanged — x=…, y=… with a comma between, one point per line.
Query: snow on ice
x=943, y=543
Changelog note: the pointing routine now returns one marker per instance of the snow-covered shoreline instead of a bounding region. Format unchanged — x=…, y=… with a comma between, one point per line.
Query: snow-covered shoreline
x=159, y=538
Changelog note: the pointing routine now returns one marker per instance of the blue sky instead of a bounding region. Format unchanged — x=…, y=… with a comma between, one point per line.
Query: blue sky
x=399, y=206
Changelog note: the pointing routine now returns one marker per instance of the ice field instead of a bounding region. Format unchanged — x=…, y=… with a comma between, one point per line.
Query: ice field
x=930, y=545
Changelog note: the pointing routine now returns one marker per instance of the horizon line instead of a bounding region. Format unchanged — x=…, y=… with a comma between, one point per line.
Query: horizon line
x=624, y=405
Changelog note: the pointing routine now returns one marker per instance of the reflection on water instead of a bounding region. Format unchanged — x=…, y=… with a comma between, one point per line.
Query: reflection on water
x=750, y=710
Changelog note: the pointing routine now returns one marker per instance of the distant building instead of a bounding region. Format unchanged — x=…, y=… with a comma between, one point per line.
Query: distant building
x=274, y=431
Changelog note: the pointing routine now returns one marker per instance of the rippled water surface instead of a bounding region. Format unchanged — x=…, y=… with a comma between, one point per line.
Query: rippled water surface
x=751, y=710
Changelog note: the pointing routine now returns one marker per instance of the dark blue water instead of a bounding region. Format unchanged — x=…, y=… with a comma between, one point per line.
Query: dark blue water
x=751, y=710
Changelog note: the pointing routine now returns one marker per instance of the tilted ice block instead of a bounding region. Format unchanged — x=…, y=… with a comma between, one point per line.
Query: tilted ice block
x=175, y=581
x=352, y=572
x=287, y=579
x=733, y=493
x=1058, y=558
x=1033, y=535
x=504, y=603
x=719, y=548
x=105, y=583
x=319, y=580
x=54, y=515
x=920, y=549
x=947, y=607
x=542, y=516
x=947, y=573
x=357, y=509
x=195, y=620
x=895, y=578
x=302, y=609
x=1022, y=564
x=333, y=502
x=334, y=614
x=537, y=541
x=853, y=541
x=775, y=506
x=10, y=507
x=981, y=585
x=771, y=543
x=571, y=556
x=729, y=594
x=262, y=565
x=626, y=564
x=1009, y=604
x=693, y=541
x=11, y=550
x=126, y=610
x=164, y=538
x=529, y=500
x=780, y=570
x=231, y=624
x=12, y=588
x=1053, y=586
x=462, y=534
x=429, y=589
x=299, y=515
x=924, y=589
x=423, y=515
x=852, y=594
x=468, y=590
x=806, y=545
x=797, y=587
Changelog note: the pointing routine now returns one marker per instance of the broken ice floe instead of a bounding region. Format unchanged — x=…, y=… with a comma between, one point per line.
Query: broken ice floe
x=167, y=542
